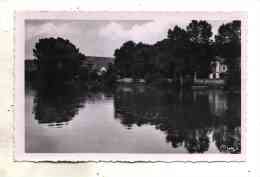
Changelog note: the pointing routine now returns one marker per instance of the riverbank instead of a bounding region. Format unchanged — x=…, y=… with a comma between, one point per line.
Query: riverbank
x=198, y=84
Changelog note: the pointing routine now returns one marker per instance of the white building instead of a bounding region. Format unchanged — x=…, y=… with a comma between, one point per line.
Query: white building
x=217, y=68
x=102, y=71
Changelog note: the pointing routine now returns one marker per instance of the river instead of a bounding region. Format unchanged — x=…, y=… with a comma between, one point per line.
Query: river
x=132, y=119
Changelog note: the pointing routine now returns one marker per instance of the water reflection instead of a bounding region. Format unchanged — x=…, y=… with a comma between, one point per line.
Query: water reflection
x=57, y=105
x=191, y=120
x=195, y=140
x=186, y=117
x=228, y=139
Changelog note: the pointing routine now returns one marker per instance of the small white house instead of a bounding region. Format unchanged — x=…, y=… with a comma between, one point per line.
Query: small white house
x=217, y=68
x=102, y=71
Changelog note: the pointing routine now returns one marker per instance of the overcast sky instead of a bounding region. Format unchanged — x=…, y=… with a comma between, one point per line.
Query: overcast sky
x=101, y=38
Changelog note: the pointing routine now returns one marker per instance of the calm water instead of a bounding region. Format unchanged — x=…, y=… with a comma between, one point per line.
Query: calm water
x=136, y=119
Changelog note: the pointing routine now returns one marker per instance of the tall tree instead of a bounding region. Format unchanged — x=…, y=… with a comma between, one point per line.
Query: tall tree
x=180, y=50
x=228, y=40
x=123, y=58
x=59, y=60
x=140, y=61
x=228, y=46
x=199, y=33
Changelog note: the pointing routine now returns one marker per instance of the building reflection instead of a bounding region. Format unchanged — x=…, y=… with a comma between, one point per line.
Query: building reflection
x=186, y=117
x=218, y=102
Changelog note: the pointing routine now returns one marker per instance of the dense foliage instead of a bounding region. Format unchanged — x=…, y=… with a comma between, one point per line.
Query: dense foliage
x=182, y=53
x=178, y=57
x=58, y=59
x=228, y=46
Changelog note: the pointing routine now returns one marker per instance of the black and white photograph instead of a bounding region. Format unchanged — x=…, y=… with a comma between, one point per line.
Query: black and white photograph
x=165, y=86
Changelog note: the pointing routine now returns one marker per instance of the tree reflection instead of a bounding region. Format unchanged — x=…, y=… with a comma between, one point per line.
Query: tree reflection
x=194, y=140
x=227, y=135
x=57, y=104
x=228, y=139
x=187, y=117
x=197, y=141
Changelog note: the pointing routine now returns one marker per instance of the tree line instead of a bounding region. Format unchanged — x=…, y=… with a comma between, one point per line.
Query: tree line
x=182, y=53
x=60, y=62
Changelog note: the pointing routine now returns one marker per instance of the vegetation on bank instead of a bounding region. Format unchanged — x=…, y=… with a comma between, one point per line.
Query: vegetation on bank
x=58, y=61
x=183, y=53
x=175, y=58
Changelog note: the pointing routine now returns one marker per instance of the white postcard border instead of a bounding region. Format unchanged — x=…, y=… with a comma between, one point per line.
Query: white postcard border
x=19, y=128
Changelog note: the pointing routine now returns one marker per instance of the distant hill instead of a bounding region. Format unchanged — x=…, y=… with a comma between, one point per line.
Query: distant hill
x=96, y=62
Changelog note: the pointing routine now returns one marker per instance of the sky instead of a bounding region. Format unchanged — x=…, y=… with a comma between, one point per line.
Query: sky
x=98, y=37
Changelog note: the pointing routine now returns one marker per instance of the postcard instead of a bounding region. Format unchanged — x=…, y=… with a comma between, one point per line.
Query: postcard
x=130, y=86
